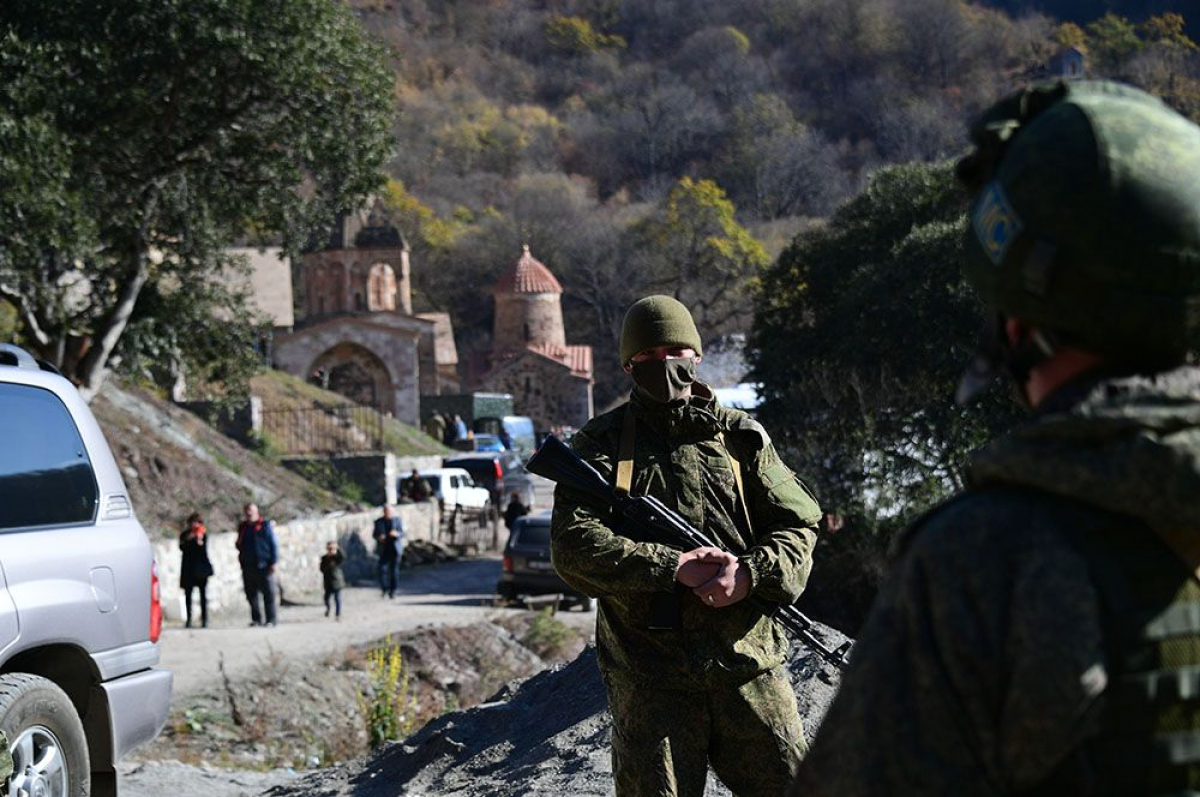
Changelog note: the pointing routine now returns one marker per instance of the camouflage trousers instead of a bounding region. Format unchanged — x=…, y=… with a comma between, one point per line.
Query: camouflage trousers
x=663, y=740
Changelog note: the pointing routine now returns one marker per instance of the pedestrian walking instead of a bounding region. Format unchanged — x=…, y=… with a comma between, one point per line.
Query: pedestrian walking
x=389, y=545
x=332, y=577
x=514, y=510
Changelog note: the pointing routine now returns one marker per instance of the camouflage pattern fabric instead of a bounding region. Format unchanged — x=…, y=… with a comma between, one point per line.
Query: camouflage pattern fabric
x=679, y=459
x=984, y=666
x=1086, y=217
x=663, y=740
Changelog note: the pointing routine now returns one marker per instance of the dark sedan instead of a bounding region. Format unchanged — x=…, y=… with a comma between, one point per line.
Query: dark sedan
x=527, y=568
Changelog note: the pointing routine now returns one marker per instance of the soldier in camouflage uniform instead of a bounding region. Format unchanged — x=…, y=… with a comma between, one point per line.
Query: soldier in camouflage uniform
x=693, y=671
x=1041, y=632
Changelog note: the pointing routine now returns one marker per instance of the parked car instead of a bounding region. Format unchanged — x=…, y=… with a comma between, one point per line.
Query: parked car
x=480, y=442
x=457, y=491
x=526, y=568
x=501, y=472
x=80, y=616
x=515, y=431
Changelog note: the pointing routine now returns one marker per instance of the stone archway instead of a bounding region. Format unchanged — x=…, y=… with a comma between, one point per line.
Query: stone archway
x=358, y=374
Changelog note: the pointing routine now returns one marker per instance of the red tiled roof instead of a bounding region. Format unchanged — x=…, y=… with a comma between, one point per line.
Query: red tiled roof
x=528, y=276
x=577, y=358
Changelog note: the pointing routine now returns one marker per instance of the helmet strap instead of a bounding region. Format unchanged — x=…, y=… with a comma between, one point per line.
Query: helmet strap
x=995, y=354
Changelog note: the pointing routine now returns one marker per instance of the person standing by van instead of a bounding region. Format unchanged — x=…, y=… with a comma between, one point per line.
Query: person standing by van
x=195, y=569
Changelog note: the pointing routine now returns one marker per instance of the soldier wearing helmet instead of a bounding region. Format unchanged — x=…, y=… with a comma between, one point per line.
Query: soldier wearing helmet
x=1041, y=632
x=693, y=671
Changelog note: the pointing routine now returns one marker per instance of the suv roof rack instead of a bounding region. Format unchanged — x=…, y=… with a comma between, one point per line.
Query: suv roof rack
x=16, y=356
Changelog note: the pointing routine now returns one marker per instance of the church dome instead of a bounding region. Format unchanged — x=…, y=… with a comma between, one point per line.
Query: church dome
x=528, y=276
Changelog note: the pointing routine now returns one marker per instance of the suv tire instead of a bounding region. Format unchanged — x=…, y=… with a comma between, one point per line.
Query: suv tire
x=38, y=716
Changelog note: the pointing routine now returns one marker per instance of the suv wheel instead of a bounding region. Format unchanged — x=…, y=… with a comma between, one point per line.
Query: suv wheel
x=49, y=749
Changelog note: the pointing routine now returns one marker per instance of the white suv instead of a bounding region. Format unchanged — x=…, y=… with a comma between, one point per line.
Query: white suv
x=79, y=610
x=457, y=492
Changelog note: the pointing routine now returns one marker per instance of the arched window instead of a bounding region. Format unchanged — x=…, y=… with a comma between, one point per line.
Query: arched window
x=381, y=287
x=359, y=304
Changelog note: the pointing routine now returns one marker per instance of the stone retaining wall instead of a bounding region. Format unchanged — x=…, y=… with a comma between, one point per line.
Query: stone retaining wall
x=301, y=544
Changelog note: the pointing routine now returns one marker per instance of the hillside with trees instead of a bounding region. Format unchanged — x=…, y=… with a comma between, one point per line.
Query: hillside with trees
x=635, y=145
x=677, y=147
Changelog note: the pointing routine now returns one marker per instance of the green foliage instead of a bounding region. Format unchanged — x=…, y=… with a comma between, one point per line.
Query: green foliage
x=9, y=323
x=1113, y=40
x=546, y=635
x=388, y=708
x=325, y=475
x=862, y=329
x=576, y=36
x=142, y=136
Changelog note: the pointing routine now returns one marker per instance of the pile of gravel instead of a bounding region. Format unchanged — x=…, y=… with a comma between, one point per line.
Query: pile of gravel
x=548, y=735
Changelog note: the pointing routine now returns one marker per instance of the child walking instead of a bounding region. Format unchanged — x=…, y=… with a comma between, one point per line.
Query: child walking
x=332, y=575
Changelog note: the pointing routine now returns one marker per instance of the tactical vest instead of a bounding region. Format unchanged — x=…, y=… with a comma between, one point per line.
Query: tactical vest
x=1149, y=742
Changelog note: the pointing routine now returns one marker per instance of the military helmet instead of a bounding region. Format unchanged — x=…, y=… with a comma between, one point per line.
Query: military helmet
x=657, y=321
x=1085, y=220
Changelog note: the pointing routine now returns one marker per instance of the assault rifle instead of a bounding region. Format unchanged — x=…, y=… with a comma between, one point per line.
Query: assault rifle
x=558, y=463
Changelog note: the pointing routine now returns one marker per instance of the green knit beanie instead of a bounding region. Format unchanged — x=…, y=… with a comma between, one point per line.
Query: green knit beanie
x=657, y=321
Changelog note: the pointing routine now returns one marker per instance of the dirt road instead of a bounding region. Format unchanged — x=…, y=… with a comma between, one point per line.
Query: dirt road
x=452, y=594
x=456, y=593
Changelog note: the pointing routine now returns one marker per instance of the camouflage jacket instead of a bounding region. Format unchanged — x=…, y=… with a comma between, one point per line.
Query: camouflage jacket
x=983, y=666
x=680, y=460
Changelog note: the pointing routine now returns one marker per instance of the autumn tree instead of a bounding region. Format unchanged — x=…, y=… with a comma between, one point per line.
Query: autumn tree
x=172, y=127
x=694, y=249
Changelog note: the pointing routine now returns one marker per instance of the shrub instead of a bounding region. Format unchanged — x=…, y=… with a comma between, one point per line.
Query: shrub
x=389, y=710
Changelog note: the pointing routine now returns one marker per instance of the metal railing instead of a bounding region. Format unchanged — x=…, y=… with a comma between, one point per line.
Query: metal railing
x=334, y=429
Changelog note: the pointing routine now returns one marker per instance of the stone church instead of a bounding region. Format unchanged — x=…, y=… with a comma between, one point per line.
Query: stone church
x=357, y=333
x=550, y=381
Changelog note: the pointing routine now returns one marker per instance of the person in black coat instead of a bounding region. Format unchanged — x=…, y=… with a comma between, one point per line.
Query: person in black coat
x=196, y=568
x=389, y=545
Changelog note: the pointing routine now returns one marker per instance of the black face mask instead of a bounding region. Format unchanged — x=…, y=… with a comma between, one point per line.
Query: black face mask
x=665, y=380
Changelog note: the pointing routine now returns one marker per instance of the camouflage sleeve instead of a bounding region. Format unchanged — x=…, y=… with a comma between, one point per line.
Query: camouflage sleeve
x=586, y=552
x=976, y=670
x=785, y=516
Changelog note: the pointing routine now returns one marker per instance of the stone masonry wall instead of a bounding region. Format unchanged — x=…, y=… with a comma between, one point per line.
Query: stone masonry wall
x=301, y=544
x=527, y=318
x=546, y=392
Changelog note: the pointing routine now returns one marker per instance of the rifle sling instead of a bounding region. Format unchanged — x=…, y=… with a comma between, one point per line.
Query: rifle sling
x=625, y=464
x=625, y=453
x=737, y=478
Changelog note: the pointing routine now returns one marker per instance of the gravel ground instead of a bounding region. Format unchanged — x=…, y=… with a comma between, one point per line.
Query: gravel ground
x=548, y=735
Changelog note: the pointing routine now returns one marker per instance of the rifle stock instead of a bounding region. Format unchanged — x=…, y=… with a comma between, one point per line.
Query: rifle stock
x=555, y=461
